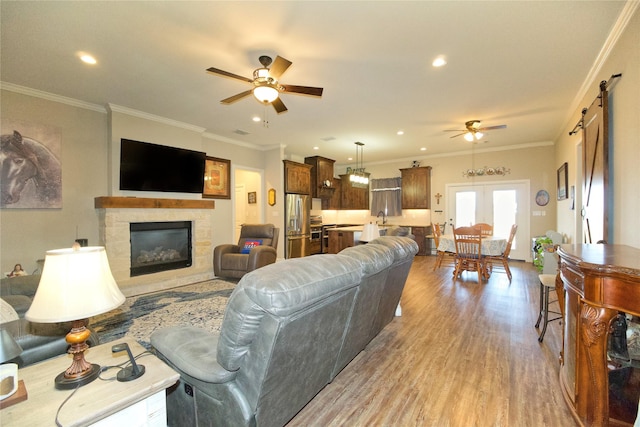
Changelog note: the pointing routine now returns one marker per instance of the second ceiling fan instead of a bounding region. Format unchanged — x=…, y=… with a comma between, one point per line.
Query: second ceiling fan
x=266, y=86
x=474, y=130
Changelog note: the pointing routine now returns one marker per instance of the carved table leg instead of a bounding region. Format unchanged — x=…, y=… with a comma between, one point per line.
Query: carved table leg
x=593, y=390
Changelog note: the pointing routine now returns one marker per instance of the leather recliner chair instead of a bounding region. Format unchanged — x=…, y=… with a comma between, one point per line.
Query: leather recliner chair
x=230, y=261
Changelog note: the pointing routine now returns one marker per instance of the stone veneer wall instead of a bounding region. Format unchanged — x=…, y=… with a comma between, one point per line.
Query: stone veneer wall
x=114, y=236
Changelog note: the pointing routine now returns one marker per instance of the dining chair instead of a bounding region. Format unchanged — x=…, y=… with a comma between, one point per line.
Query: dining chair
x=485, y=229
x=469, y=252
x=440, y=255
x=502, y=260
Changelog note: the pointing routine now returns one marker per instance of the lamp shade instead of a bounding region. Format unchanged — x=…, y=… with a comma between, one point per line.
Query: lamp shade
x=76, y=283
x=370, y=232
x=265, y=93
x=9, y=348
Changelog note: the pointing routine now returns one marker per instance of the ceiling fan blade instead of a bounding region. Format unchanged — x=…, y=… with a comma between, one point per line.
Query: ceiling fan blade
x=279, y=66
x=492, y=128
x=304, y=90
x=455, y=136
x=228, y=74
x=455, y=130
x=237, y=97
x=278, y=105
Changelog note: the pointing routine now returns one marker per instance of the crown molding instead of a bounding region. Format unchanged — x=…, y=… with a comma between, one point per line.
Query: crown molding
x=141, y=114
x=23, y=90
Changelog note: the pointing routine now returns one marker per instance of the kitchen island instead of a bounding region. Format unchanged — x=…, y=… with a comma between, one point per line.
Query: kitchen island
x=344, y=237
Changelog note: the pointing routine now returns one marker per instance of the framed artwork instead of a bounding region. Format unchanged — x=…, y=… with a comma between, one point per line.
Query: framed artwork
x=217, y=178
x=563, y=177
x=271, y=195
x=542, y=198
x=251, y=197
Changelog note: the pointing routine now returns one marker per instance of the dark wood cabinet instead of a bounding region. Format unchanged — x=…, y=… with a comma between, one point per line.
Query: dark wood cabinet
x=334, y=201
x=339, y=240
x=353, y=197
x=297, y=177
x=321, y=175
x=420, y=235
x=416, y=188
x=598, y=281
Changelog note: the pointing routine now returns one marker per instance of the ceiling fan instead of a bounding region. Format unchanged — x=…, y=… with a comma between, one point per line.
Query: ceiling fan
x=473, y=130
x=266, y=87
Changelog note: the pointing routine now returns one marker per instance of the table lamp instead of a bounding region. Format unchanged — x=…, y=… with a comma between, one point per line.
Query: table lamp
x=370, y=232
x=76, y=284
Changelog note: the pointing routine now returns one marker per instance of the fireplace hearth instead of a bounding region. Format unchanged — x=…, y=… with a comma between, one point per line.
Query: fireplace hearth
x=160, y=246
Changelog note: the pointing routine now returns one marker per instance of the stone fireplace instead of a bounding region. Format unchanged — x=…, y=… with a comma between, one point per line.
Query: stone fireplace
x=117, y=215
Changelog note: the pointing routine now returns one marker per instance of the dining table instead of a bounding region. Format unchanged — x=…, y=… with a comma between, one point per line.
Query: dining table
x=491, y=245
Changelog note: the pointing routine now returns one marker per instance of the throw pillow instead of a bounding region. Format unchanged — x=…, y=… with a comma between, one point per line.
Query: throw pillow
x=7, y=313
x=249, y=244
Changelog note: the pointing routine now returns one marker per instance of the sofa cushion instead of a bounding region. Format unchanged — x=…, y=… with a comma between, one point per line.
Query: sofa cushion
x=7, y=313
x=238, y=262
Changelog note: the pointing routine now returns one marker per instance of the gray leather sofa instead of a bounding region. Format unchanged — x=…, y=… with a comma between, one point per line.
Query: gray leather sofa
x=289, y=329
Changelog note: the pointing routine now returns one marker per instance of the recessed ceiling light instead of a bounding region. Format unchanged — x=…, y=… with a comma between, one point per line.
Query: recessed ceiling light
x=349, y=158
x=400, y=132
x=439, y=61
x=423, y=149
x=256, y=119
x=316, y=148
x=88, y=59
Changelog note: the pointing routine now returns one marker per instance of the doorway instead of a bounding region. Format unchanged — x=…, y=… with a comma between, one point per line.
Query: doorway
x=247, y=180
x=499, y=203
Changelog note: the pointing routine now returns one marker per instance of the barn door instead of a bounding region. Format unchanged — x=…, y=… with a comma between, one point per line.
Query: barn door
x=595, y=167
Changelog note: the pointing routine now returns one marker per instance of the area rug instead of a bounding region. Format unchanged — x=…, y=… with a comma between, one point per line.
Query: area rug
x=201, y=304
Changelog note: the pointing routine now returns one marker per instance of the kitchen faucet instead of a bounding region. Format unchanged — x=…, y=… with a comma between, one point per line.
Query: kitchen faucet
x=384, y=217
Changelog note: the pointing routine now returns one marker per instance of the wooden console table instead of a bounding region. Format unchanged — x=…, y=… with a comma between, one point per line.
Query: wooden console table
x=100, y=403
x=599, y=281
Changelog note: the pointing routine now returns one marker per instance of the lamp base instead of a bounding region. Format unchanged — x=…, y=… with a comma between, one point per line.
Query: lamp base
x=64, y=383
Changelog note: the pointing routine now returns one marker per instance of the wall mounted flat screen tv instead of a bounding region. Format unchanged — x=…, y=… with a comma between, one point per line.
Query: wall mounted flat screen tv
x=152, y=167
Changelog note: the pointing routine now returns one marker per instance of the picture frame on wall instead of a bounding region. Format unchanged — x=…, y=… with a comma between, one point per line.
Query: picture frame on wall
x=563, y=178
x=251, y=196
x=217, y=178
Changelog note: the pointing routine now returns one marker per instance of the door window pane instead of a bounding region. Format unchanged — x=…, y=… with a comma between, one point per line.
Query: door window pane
x=465, y=208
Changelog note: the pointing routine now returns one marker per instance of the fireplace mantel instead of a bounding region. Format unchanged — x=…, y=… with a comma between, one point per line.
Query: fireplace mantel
x=106, y=202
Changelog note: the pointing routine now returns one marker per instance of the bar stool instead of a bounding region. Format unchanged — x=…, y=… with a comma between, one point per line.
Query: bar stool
x=547, y=284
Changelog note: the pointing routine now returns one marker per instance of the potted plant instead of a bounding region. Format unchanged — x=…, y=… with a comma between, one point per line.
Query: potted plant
x=542, y=244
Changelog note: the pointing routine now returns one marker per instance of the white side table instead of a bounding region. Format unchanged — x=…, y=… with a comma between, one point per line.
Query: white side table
x=140, y=402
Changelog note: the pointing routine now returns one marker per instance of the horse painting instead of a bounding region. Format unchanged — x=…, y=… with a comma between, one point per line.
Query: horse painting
x=30, y=174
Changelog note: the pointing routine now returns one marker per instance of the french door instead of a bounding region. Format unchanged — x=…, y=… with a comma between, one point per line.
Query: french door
x=500, y=204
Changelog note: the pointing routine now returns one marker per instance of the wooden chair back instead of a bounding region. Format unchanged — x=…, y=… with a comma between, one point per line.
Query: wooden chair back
x=468, y=242
x=485, y=229
x=512, y=235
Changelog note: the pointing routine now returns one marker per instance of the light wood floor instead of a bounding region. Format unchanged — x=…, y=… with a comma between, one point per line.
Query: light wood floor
x=462, y=354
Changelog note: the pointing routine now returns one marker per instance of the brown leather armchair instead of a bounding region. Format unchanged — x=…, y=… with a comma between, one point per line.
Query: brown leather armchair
x=230, y=261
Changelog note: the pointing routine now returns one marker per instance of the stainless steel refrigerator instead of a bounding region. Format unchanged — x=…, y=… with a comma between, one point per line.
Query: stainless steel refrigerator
x=297, y=223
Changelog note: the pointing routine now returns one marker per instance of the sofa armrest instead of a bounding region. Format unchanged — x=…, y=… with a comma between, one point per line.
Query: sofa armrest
x=261, y=256
x=192, y=351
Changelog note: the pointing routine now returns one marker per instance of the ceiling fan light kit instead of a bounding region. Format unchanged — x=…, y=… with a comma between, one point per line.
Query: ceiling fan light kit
x=473, y=131
x=267, y=89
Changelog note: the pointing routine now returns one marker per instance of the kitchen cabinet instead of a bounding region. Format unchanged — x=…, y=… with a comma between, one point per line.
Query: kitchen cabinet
x=420, y=235
x=321, y=175
x=340, y=239
x=353, y=197
x=297, y=177
x=334, y=201
x=416, y=187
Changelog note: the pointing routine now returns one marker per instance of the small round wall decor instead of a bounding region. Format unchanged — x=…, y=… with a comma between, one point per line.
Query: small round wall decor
x=542, y=198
